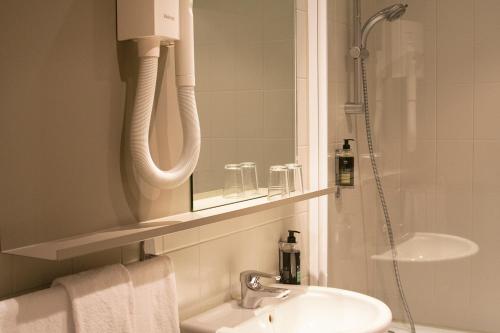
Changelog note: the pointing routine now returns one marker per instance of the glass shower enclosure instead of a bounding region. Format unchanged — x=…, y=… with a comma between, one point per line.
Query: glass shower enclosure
x=433, y=80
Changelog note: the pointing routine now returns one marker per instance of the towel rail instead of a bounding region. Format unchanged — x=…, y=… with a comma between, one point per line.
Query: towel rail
x=143, y=255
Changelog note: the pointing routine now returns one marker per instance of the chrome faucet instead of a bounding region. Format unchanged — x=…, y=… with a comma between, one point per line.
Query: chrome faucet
x=253, y=292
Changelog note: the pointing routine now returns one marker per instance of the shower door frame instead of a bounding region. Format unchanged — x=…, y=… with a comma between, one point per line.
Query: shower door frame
x=318, y=139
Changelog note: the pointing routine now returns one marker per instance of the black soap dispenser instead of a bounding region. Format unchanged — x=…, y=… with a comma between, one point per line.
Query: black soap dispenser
x=345, y=165
x=289, y=259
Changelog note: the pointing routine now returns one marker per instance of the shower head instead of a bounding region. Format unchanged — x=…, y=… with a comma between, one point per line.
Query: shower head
x=390, y=14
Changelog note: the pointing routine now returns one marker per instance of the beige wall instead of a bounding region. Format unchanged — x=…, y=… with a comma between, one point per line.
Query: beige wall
x=246, y=86
x=439, y=164
x=66, y=95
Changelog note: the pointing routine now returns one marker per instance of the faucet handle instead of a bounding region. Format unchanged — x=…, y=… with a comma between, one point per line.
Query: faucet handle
x=251, y=278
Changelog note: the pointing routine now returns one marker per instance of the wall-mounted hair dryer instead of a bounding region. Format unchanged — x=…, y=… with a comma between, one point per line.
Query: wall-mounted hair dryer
x=151, y=23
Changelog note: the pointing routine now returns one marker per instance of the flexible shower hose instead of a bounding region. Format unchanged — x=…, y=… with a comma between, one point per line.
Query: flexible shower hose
x=380, y=189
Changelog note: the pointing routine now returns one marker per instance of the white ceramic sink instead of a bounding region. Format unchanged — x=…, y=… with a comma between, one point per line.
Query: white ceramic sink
x=306, y=310
x=431, y=247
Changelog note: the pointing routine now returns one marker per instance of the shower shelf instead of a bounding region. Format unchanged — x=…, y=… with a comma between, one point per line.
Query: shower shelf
x=424, y=247
x=71, y=247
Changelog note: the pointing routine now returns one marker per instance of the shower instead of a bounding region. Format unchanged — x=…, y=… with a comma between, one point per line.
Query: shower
x=390, y=14
x=360, y=53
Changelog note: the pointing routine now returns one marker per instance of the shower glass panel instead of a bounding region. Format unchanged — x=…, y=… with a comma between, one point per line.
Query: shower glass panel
x=433, y=81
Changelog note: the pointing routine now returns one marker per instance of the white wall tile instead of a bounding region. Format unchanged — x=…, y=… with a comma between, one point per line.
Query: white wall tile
x=215, y=272
x=421, y=124
x=455, y=53
x=250, y=117
x=279, y=20
x=486, y=115
x=94, y=260
x=187, y=274
x=338, y=70
x=279, y=65
x=486, y=29
x=243, y=259
x=223, y=114
x=343, y=11
x=454, y=187
x=249, y=65
x=279, y=114
x=181, y=239
x=484, y=294
x=216, y=21
x=419, y=289
x=250, y=20
x=269, y=236
x=28, y=273
x=418, y=167
x=225, y=228
x=279, y=152
x=455, y=111
x=452, y=293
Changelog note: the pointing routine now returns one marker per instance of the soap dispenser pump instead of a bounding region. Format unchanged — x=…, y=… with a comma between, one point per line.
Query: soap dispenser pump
x=289, y=259
x=345, y=165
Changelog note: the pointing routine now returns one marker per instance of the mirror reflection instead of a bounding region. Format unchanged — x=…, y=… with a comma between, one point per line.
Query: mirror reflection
x=245, y=71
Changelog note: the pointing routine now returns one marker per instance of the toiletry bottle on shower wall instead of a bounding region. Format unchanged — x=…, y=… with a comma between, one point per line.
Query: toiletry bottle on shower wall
x=289, y=259
x=345, y=165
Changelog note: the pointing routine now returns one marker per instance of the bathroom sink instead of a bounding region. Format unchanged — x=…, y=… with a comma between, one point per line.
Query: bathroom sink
x=431, y=247
x=306, y=310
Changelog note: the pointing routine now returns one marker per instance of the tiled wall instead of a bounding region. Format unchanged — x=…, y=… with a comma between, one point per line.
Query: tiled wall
x=209, y=259
x=246, y=86
x=433, y=87
x=346, y=254
x=67, y=88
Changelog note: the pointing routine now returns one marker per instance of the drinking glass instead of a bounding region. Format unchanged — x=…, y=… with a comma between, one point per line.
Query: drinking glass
x=250, y=180
x=278, y=182
x=295, y=184
x=233, y=181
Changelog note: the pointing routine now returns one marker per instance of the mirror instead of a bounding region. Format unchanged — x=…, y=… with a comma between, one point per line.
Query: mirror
x=245, y=90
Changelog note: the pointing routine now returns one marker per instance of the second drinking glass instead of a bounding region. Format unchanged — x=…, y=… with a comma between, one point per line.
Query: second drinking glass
x=295, y=185
x=278, y=182
x=233, y=181
x=250, y=179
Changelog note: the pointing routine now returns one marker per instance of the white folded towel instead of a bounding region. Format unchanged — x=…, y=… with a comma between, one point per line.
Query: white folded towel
x=156, y=308
x=102, y=300
x=46, y=310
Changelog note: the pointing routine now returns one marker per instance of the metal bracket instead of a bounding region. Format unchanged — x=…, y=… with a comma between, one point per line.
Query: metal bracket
x=353, y=108
x=143, y=255
x=339, y=188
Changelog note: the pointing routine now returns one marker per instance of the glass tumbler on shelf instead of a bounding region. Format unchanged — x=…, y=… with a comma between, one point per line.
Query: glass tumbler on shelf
x=295, y=183
x=277, y=182
x=250, y=180
x=233, y=181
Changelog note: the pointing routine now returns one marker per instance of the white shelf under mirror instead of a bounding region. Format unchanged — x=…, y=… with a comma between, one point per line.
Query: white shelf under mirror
x=67, y=248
